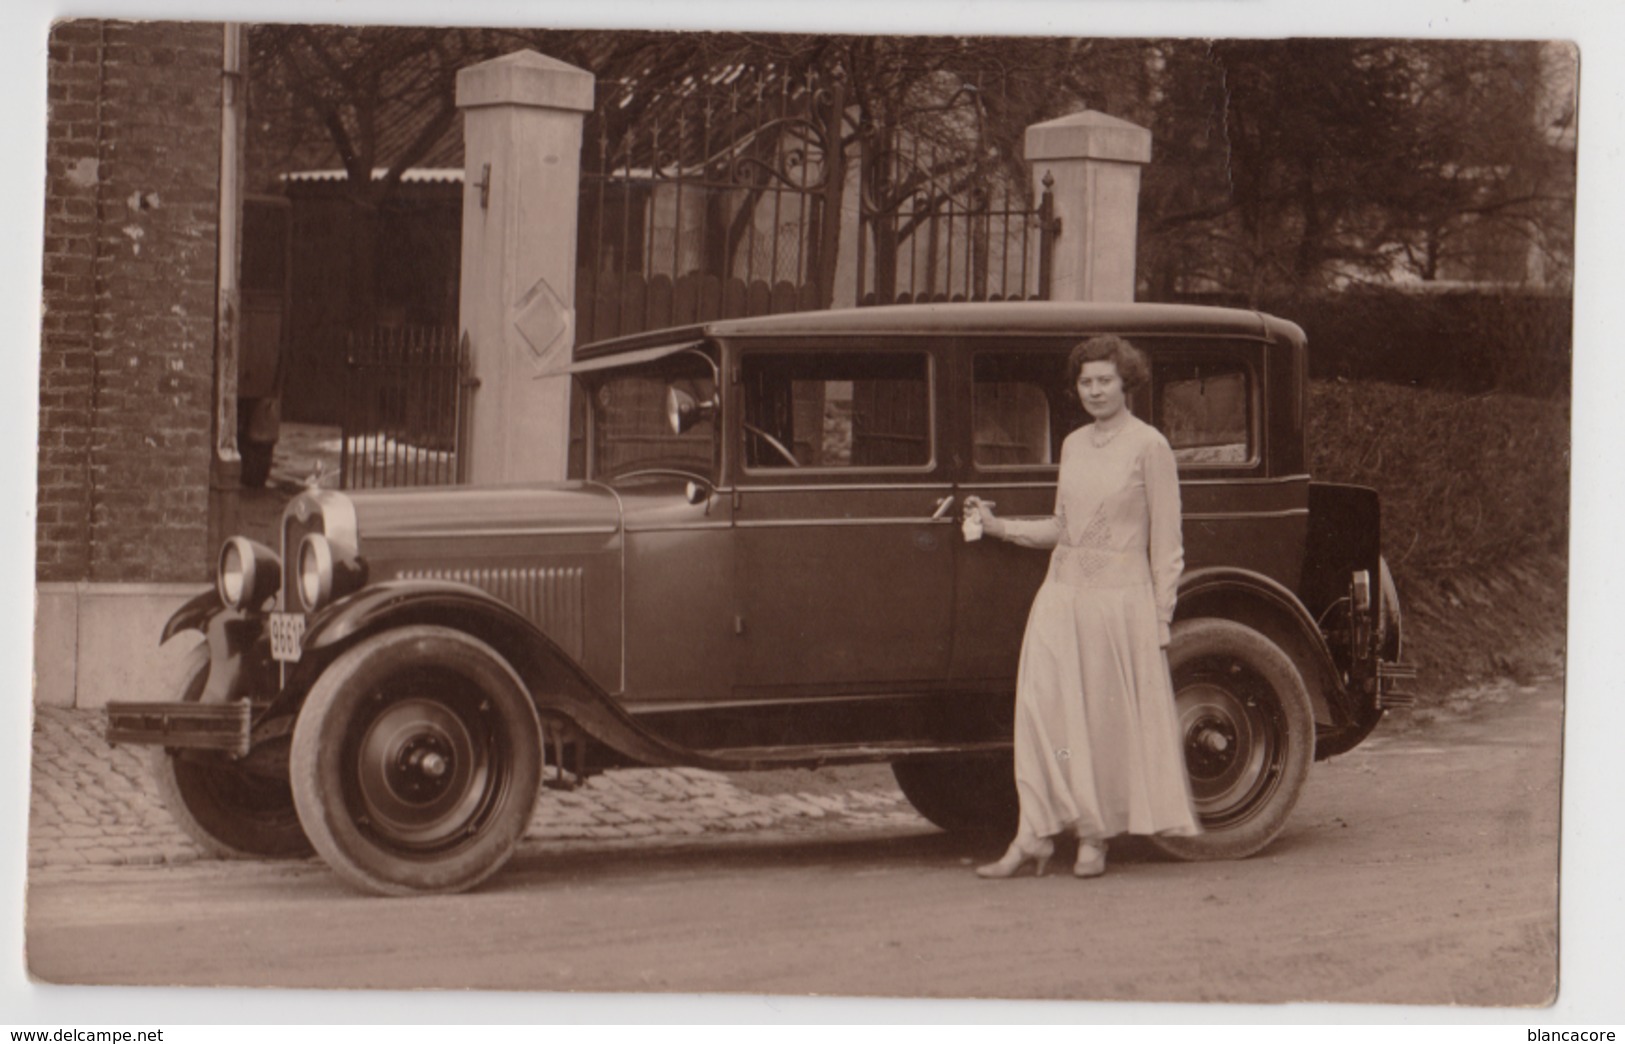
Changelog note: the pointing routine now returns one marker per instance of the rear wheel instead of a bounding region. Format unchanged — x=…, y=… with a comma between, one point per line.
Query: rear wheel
x=227, y=811
x=1249, y=736
x=416, y=762
x=1346, y=739
x=964, y=794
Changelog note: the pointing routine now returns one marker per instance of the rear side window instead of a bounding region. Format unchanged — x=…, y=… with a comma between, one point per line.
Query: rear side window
x=836, y=410
x=1202, y=397
x=1205, y=410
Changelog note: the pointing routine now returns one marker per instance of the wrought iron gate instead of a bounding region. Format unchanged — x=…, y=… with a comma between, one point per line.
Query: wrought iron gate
x=979, y=240
x=405, y=405
x=731, y=200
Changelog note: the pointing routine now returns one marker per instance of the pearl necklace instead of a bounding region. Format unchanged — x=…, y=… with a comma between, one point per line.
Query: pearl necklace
x=1102, y=443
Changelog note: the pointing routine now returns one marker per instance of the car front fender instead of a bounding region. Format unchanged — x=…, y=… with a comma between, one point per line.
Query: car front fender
x=194, y=615
x=557, y=683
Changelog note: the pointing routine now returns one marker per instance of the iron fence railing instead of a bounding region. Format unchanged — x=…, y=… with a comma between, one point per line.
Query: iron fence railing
x=750, y=197
x=710, y=205
x=958, y=239
x=405, y=405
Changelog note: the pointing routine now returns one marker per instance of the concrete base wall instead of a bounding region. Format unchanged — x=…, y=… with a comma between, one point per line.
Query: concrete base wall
x=99, y=642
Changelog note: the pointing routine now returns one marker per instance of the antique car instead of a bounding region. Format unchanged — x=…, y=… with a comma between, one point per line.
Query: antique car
x=757, y=563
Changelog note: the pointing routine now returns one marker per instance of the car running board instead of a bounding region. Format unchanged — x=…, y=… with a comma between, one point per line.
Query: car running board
x=755, y=759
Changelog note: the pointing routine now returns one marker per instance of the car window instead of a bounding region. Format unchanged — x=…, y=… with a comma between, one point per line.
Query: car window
x=1019, y=417
x=836, y=409
x=1203, y=409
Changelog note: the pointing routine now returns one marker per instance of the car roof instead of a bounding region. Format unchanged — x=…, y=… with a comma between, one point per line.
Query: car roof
x=1004, y=317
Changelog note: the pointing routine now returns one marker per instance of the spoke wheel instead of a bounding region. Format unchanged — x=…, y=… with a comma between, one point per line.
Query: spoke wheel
x=1248, y=735
x=416, y=762
x=226, y=811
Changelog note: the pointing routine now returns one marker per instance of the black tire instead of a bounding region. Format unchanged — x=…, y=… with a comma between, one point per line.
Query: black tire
x=227, y=812
x=962, y=795
x=416, y=762
x=1249, y=736
x=256, y=463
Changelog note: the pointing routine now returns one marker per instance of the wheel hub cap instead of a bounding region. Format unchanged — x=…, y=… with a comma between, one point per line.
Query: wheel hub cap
x=422, y=771
x=1229, y=748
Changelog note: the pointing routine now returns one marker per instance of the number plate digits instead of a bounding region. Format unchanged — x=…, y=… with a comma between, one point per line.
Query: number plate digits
x=287, y=636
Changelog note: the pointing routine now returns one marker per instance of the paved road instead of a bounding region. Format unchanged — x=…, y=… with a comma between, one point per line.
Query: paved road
x=1420, y=868
x=91, y=805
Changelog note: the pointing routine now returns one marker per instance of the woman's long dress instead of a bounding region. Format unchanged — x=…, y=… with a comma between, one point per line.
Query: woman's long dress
x=1097, y=745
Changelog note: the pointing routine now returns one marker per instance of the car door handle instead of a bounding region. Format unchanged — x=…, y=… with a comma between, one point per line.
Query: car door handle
x=942, y=507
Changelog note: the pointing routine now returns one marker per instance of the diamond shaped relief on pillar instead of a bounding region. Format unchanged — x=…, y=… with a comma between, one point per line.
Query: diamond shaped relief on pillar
x=543, y=322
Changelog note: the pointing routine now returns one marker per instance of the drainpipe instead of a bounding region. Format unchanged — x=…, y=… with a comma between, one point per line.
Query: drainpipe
x=227, y=464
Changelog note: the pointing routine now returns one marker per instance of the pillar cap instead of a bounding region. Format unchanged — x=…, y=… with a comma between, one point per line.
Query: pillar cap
x=525, y=78
x=1088, y=135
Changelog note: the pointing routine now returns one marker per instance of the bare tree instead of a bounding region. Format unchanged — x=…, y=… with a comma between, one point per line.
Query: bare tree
x=1279, y=165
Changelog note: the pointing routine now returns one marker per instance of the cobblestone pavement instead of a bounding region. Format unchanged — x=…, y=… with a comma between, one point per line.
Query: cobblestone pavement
x=95, y=805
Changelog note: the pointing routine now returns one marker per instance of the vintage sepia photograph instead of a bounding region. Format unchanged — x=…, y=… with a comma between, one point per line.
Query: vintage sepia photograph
x=919, y=514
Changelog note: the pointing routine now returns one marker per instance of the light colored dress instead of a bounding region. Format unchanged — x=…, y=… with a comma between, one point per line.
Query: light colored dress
x=1097, y=743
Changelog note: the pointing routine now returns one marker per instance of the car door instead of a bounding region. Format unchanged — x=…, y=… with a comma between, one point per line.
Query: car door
x=1013, y=396
x=844, y=520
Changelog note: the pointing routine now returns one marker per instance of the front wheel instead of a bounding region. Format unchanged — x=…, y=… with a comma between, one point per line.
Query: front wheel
x=226, y=810
x=416, y=762
x=1248, y=732
x=963, y=794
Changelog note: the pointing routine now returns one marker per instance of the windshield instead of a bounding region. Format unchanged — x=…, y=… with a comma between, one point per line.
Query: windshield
x=630, y=433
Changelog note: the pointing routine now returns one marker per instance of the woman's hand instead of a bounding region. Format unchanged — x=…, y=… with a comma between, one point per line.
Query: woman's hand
x=982, y=510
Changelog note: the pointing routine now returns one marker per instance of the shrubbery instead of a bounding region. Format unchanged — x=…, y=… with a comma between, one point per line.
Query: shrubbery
x=1518, y=342
x=1475, y=495
x=1466, y=480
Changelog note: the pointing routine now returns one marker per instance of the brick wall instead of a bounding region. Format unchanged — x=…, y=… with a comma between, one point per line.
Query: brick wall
x=127, y=358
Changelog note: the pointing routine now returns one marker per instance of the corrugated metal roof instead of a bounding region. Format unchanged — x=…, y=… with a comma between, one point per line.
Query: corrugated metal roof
x=416, y=175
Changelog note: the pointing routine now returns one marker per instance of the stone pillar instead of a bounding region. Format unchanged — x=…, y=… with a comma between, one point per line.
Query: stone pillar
x=1095, y=160
x=522, y=117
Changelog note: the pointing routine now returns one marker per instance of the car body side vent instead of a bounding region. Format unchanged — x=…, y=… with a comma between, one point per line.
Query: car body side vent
x=551, y=598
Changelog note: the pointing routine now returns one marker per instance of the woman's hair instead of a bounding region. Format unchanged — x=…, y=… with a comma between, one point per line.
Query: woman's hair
x=1129, y=360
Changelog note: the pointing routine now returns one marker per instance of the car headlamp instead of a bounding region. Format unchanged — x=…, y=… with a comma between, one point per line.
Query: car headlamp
x=248, y=574
x=315, y=565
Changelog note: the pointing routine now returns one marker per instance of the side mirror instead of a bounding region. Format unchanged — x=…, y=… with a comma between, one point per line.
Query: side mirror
x=683, y=411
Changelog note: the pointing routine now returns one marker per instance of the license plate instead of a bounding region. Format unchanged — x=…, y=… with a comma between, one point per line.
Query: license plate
x=287, y=636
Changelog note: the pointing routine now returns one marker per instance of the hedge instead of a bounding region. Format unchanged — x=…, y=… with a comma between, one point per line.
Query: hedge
x=1469, y=341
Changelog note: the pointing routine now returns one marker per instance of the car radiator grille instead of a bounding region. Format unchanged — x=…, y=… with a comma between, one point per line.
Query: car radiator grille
x=552, y=599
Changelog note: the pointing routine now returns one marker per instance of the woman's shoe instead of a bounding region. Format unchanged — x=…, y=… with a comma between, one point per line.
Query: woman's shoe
x=1017, y=856
x=1091, y=860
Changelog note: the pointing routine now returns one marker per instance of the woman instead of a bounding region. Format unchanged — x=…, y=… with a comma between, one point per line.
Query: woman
x=1097, y=746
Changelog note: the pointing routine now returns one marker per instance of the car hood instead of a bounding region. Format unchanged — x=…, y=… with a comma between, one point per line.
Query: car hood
x=494, y=511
